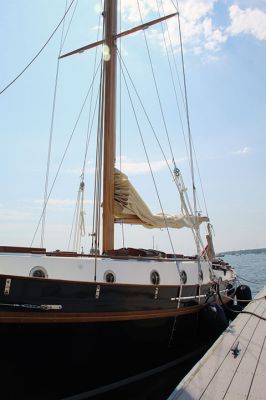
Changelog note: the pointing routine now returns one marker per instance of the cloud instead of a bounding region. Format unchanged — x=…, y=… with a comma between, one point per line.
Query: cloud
x=242, y=152
x=198, y=30
x=77, y=171
x=249, y=21
x=131, y=167
x=7, y=214
x=60, y=202
x=200, y=33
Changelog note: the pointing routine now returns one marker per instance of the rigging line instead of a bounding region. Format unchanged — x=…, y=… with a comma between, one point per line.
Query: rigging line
x=148, y=160
x=188, y=211
x=175, y=5
x=77, y=219
x=156, y=137
x=187, y=114
x=64, y=155
x=96, y=228
x=89, y=129
x=51, y=134
x=173, y=56
x=182, y=97
x=176, y=97
x=173, y=82
x=146, y=114
x=120, y=116
x=98, y=173
x=201, y=184
x=75, y=211
x=39, y=52
x=73, y=221
x=172, y=77
x=189, y=132
x=166, y=130
x=156, y=86
x=70, y=22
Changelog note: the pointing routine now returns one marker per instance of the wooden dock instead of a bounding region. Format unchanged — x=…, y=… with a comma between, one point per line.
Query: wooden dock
x=234, y=368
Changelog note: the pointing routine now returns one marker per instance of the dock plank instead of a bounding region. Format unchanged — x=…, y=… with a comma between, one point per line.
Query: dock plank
x=243, y=377
x=258, y=387
x=218, y=375
x=226, y=372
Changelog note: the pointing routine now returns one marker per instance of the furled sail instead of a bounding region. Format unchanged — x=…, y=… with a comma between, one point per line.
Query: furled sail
x=131, y=209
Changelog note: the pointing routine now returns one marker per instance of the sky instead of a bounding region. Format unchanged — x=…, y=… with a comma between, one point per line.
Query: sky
x=224, y=44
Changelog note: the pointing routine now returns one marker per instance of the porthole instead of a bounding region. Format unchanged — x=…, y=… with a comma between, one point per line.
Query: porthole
x=38, y=272
x=183, y=277
x=155, y=278
x=109, y=277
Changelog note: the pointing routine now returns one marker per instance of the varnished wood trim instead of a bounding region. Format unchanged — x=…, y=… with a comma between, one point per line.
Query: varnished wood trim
x=59, y=253
x=145, y=26
x=55, y=317
x=81, y=49
x=16, y=249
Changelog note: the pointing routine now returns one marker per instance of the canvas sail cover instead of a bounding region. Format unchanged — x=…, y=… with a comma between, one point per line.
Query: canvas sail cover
x=130, y=208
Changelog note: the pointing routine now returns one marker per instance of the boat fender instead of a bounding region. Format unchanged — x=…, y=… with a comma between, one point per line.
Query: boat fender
x=213, y=321
x=243, y=293
x=221, y=319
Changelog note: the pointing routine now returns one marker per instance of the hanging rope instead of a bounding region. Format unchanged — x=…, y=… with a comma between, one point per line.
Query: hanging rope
x=183, y=101
x=171, y=73
x=98, y=175
x=64, y=155
x=82, y=183
x=78, y=219
x=70, y=22
x=156, y=85
x=80, y=224
x=145, y=113
x=120, y=115
x=51, y=137
x=150, y=168
x=39, y=52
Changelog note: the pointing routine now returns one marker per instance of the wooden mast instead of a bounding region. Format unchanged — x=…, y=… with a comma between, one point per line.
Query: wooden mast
x=109, y=118
x=109, y=113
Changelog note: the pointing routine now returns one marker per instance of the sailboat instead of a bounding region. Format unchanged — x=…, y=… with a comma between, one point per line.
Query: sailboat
x=113, y=311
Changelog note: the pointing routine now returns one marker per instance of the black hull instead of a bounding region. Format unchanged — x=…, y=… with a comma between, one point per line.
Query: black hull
x=52, y=361
x=92, y=340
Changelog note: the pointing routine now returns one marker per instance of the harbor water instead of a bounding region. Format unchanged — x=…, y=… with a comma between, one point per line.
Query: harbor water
x=251, y=269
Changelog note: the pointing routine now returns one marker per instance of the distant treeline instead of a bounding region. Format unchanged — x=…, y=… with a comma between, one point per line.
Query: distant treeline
x=249, y=251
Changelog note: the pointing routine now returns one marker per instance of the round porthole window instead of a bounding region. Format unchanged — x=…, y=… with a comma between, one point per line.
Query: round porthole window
x=155, y=278
x=38, y=272
x=109, y=277
x=183, y=277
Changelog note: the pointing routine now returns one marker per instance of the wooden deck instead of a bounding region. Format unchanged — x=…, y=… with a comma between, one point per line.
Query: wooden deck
x=222, y=375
